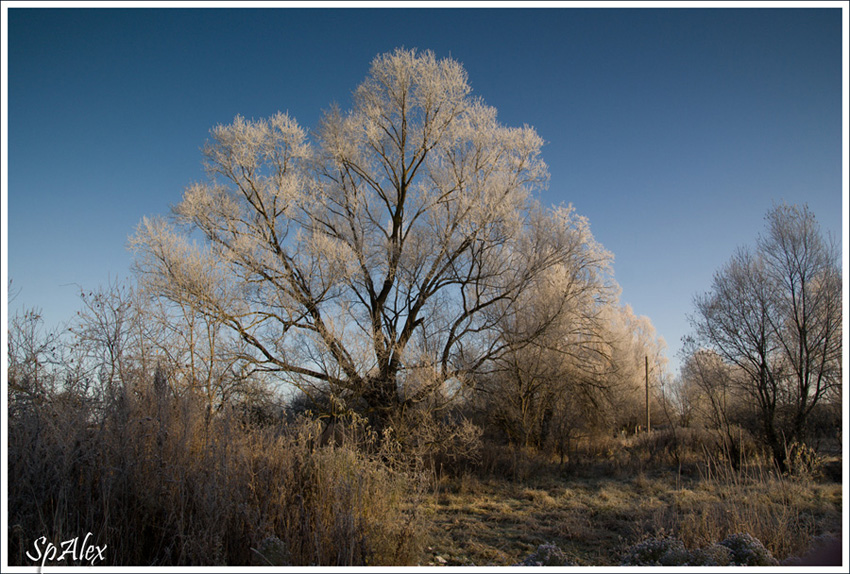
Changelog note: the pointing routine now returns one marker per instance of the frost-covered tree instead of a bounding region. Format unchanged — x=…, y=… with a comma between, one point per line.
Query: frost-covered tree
x=556, y=345
x=774, y=312
x=375, y=258
x=805, y=278
x=634, y=344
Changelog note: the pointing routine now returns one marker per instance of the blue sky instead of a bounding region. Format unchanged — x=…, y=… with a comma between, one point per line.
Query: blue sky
x=672, y=130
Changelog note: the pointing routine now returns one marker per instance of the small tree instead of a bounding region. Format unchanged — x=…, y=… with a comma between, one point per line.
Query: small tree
x=390, y=244
x=775, y=313
x=804, y=273
x=713, y=390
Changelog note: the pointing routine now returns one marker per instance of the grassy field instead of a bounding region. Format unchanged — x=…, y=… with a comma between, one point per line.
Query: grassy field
x=594, y=514
x=160, y=483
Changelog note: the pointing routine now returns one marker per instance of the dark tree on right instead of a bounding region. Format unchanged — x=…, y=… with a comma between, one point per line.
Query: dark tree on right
x=774, y=312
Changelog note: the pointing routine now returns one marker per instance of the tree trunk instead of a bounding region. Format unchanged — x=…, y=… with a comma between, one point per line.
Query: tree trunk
x=381, y=399
x=776, y=446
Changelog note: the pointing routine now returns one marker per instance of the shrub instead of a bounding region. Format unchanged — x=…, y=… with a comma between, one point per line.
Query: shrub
x=450, y=444
x=656, y=552
x=803, y=461
x=748, y=551
x=714, y=555
x=547, y=555
x=735, y=550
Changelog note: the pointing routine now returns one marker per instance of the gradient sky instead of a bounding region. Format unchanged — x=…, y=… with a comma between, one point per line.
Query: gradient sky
x=672, y=130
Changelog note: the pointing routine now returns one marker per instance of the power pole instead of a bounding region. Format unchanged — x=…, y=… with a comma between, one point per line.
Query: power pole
x=646, y=365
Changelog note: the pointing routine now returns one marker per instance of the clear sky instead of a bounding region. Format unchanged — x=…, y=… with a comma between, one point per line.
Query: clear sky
x=672, y=130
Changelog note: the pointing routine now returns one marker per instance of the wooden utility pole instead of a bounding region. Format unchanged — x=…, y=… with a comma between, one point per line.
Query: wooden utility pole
x=646, y=365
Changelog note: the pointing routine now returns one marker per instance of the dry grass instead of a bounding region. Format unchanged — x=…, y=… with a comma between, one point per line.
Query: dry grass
x=163, y=482
x=594, y=515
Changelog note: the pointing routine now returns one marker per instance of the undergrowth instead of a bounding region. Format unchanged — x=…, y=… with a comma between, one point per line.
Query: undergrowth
x=162, y=481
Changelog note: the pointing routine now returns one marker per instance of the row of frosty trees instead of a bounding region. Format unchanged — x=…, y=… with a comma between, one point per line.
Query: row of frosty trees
x=395, y=263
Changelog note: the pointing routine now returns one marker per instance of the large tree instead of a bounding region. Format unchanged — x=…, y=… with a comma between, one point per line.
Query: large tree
x=376, y=257
x=774, y=312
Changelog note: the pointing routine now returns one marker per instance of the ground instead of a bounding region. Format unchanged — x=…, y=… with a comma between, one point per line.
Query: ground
x=593, y=518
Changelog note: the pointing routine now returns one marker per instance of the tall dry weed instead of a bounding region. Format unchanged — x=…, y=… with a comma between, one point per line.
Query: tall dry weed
x=754, y=498
x=162, y=480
